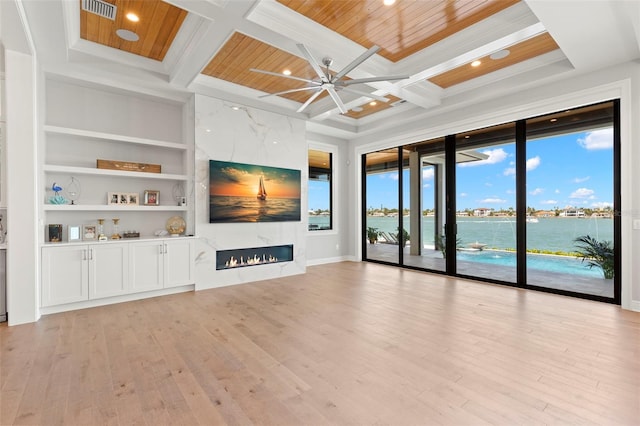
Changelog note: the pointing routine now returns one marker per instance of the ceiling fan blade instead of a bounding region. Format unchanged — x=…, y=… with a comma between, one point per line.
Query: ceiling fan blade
x=360, y=59
x=334, y=95
x=370, y=80
x=285, y=76
x=311, y=99
x=368, y=95
x=291, y=91
x=314, y=64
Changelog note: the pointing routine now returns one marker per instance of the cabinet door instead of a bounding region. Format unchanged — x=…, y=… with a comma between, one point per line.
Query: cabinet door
x=178, y=263
x=65, y=276
x=108, y=270
x=146, y=265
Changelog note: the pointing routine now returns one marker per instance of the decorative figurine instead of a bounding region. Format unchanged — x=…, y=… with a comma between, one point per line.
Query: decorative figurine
x=57, y=198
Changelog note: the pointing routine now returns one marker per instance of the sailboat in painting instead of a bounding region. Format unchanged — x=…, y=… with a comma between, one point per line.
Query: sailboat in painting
x=262, y=193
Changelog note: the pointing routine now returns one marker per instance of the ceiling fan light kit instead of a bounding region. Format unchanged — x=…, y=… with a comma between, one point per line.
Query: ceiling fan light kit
x=329, y=82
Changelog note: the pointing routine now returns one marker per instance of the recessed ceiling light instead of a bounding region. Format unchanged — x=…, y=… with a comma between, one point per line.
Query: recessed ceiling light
x=235, y=108
x=356, y=109
x=286, y=72
x=132, y=17
x=208, y=130
x=553, y=120
x=475, y=63
x=275, y=142
x=467, y=137
x=373, y=103
x=388, y=2
x=127, y=35
x=500, y=54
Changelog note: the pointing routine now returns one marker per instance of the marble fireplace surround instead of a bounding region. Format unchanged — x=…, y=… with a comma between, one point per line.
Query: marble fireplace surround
x=227, y=132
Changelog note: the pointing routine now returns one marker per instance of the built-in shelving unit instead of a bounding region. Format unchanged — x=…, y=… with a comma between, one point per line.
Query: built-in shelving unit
x=101, y=123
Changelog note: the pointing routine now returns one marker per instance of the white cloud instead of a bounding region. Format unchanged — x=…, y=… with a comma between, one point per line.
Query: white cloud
x=582, y=193
x=533, y=163
x=426, y=185
x=537, y=191
x=557, y=191
x=509, y=171
x=598, y=139
x=493, y=201
x=463, y=194
x=393, y=176
x=510, y=191
x=549, y=202
x=495, y=156
x=427, y=174
x=489, y=184
x=580, y=180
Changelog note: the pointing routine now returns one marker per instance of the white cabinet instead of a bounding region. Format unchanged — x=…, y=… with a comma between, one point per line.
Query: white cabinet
x=65, y=275
x=84, y=272
x=81, y=272
x=161, y=264
x=108, y=270
x=179, y=262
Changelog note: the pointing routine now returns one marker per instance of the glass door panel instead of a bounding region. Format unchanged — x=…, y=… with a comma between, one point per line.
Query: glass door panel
x=424, y=195
x=570, y=195
x=382, y=215
x=485, y=203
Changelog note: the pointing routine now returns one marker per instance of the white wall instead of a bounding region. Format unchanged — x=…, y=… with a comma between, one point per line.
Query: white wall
x=251, y=136
x=621, y=81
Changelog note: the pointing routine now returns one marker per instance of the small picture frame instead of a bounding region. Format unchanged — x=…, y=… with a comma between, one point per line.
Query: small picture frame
x=113, y=198
x=151, y=197
x=74, y=233
x=89, y=232
x=55, y=233
x=122, y=198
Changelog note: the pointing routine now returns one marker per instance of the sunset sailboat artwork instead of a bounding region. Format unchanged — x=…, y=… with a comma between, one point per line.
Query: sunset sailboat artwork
x=238, y=193
x=262, y=193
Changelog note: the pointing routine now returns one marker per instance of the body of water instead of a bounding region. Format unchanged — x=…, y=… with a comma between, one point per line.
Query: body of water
x=554, y=234
x=250, y=209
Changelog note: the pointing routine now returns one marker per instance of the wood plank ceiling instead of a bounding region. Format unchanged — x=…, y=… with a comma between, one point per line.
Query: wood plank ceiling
x=401, y=30
x=157, y=27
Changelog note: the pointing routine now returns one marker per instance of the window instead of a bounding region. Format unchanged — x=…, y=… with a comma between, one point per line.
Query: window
x=320, y=190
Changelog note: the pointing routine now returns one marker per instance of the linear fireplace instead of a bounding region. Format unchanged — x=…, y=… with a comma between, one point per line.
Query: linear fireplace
x=228, y=259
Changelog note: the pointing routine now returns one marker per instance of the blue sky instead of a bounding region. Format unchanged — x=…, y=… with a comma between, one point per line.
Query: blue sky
x=568, y=170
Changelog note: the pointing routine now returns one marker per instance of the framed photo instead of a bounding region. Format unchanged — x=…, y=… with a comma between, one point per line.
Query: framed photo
x=89, y=232
x=151, y=197
x=122, y=198
x=74, y=233
x=55, y=233
x=113, y=198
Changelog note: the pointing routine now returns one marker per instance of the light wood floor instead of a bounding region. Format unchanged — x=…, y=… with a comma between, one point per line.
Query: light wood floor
x=347, y=343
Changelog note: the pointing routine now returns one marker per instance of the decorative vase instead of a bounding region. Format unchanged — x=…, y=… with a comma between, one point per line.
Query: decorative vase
x=101, y=235
x=115, y=235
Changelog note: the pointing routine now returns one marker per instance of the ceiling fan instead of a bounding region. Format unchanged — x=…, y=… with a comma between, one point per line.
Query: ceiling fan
x=332, y=83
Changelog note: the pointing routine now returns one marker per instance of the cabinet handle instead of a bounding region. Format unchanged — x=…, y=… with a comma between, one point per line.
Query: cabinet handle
x=161, y=249
x=84, y=254
x=166, y=249
x=90, y=254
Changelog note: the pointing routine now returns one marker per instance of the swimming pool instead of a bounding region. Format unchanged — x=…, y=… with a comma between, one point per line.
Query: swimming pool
x=548, y=263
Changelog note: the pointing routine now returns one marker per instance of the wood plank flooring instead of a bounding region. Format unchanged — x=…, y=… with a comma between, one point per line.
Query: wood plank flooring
x=346, y=343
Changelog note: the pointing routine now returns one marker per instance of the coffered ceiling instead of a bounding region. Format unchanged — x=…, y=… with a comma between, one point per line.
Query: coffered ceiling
x=212, y=46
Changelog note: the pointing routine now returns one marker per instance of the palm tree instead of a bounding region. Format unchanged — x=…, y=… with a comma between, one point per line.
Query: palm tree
x=596, y=253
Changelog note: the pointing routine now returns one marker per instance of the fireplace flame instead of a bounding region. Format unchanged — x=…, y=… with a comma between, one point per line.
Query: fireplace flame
x=255, y=260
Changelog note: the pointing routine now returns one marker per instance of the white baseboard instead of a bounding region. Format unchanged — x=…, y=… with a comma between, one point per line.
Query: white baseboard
x=324, y=261
x=635, y=305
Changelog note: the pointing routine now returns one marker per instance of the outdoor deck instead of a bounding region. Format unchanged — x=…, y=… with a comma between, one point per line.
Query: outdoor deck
x=432, y=259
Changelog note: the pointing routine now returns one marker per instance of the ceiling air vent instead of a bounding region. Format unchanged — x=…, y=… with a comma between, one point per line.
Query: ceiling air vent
x=400, y=102
x=100, y=8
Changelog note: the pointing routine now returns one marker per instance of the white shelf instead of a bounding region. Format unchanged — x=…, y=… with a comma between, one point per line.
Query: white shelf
x=108, y=172
x=114, y=207
x=114, y=137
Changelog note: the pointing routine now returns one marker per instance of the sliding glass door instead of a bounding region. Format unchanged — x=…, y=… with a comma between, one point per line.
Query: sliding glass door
x=570, y=199
x=530, y=203
x=485, y=203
